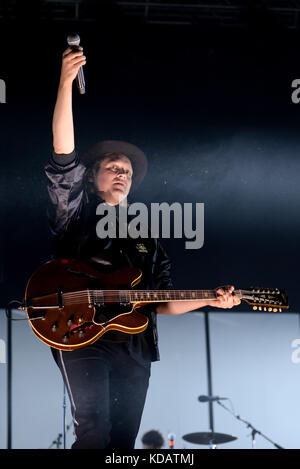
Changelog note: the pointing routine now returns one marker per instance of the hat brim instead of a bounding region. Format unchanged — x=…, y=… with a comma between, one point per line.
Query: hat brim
x=136, y=155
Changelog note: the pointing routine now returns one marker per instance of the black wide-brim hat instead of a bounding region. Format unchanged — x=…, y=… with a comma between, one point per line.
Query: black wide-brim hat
x=136, y=155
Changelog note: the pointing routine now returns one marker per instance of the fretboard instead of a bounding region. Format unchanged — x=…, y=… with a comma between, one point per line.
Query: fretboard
x=143, y=296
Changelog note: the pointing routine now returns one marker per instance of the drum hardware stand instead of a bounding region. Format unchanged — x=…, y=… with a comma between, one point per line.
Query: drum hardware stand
x=209, y=377
x=62, y=436
x=254, y=431
x=212, y=444
x=64, y=414
x=56, y=442
x=9, y=377
x=208, y=438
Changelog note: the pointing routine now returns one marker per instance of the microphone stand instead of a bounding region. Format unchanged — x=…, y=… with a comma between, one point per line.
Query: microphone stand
x=62, y=436
x=56, y=442
x=9, y=377
x=249, y=425
x=64, y=415
x=208, y=368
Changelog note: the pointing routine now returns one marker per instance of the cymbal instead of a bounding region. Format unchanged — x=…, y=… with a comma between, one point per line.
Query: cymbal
x=206, y=438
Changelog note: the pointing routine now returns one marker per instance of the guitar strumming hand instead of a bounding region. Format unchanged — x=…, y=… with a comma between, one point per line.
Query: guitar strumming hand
x=71, y=305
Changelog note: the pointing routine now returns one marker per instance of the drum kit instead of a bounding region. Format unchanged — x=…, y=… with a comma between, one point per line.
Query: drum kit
x=208, y=438
x=212, y=438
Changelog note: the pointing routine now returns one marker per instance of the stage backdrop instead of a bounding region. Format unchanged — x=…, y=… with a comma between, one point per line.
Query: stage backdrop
x=213, y=111
x=252, y=365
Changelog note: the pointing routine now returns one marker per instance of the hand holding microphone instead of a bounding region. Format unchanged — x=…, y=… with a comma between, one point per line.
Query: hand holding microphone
x=72, y=63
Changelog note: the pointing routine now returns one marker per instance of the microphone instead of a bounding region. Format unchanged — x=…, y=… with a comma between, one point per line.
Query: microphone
x=211, y=398
x=171, y=439
x=73, y=40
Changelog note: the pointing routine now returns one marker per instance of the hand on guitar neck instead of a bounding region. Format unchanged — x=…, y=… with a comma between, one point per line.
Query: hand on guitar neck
x=225, y=298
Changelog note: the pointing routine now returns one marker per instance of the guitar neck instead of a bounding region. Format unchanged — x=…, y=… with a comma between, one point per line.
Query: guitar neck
x=263, y=298
x=156, y=296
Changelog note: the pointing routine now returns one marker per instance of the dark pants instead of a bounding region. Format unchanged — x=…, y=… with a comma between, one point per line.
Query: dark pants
x=107, y=390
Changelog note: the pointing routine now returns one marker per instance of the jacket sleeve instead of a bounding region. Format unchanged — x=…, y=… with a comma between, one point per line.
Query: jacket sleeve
x=65, y=189
x=162, y=269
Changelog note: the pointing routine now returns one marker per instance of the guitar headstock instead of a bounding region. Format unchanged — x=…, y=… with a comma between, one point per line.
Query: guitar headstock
x=266, y=299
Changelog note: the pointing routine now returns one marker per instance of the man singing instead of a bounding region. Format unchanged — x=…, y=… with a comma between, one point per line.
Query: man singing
x=107, y=381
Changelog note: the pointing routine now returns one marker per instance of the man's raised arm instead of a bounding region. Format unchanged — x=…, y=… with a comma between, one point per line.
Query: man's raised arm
x=62, y=123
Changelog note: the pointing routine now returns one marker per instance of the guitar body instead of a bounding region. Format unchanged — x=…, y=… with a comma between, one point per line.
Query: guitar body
x=64, y=312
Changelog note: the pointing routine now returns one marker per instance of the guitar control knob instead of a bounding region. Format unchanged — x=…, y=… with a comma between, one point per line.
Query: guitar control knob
x=70, y=321
x=54, y=326
x=81, y=334
x=65, y=339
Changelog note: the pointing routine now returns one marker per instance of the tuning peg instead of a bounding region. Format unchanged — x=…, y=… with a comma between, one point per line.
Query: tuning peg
x=269, y=309
x=275, y=310
x=280, y=310
x=260, y=308
x=255, y=308
x=265, y=309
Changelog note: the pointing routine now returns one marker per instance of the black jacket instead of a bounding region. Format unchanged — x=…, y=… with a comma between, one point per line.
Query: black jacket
x=73, y=219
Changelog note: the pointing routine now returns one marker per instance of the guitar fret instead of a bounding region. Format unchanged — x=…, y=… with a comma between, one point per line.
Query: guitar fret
x=135, y=296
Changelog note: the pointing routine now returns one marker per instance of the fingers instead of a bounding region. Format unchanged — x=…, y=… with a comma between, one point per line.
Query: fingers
x=226, y=289
x=226, y=297
x=74, y=56
x=72, y=59
x=70, y=50
x=236, y=300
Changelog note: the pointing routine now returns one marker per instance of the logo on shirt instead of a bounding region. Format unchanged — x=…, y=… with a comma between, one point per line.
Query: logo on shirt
x=141, y=248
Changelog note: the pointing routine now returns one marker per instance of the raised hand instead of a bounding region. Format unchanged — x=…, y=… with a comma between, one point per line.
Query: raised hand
x=72, y=60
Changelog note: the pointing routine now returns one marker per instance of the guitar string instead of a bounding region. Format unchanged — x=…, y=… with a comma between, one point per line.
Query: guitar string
x=114, y=295
x=148, y=295
x=157, y=292
x=144, y=293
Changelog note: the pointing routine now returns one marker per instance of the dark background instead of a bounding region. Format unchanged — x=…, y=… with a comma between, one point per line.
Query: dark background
x=210, y=106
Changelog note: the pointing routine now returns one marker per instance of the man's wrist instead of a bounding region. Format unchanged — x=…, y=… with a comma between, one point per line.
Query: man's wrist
x=65, y=85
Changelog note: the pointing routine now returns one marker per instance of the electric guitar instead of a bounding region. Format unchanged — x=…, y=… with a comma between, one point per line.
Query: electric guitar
x=70, y=304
